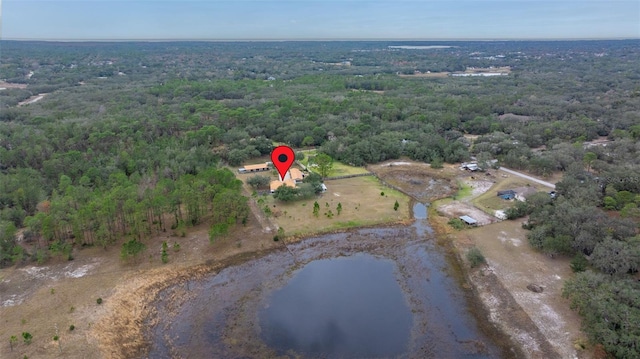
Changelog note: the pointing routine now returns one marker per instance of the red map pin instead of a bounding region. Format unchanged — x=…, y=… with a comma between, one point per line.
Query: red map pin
x=282, y=158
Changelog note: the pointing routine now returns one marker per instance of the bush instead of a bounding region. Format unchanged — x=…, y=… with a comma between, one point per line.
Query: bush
x=436, y=162
x=99, y=300
x=27, y=337
x=520, y=209
x=72, y=327
x=456, y=223
x=475, y=257
x=258, y=181
x=579, y=263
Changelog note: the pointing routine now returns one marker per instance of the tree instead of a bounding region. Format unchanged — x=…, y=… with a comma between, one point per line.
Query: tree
x=316, y=208
x=588, y=159
x=396, y=205
x=131, y=249
x=285, y=193
x=218, y=230
x=339, y=207
x=324, y=163
x=258, y=181
x=610, y=311
x=12, y=341
x=164, y=255
x=611, y=257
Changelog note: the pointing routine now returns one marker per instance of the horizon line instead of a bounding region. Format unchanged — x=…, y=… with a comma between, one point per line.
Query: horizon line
x=316, y=39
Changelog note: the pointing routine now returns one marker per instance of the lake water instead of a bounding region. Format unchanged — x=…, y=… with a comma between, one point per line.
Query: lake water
x=343, y=307
x=371, y=293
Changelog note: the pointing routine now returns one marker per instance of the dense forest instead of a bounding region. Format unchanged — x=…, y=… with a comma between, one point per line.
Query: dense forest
x=129, y=139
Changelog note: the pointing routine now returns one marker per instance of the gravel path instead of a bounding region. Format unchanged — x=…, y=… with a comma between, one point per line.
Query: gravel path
x=519, y=174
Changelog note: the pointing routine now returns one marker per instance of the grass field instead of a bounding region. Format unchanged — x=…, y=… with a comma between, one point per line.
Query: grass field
x=361, y=201
x=464, y=190
x=489, y=202
x=339, y=168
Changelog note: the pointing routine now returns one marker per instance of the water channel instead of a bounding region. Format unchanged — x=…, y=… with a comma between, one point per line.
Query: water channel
x=370, y=293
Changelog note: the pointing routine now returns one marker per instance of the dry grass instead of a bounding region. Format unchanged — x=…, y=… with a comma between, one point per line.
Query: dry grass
x=361, y=202
x=112, y=329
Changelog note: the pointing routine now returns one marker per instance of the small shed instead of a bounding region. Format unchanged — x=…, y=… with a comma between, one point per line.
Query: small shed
x=468, y=220
x=507, y=194
x=255, y=168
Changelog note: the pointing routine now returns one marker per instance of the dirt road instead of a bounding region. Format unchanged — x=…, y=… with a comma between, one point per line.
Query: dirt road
x=519, y=174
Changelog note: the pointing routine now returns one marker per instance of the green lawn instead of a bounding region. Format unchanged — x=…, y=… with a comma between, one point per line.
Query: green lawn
x=361, y=201
x=339, y=168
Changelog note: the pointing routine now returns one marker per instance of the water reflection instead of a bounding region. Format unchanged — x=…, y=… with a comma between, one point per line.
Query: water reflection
x=344, y=307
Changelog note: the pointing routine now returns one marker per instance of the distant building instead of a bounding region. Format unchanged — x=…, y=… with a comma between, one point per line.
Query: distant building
x=468, y=220
x=255, y=168
x=470, y=166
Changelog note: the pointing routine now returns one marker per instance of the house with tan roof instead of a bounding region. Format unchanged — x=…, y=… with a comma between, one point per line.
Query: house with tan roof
x=274, y=185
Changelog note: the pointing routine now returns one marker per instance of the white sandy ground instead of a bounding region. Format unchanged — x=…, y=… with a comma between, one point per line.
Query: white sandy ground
x=507, y=252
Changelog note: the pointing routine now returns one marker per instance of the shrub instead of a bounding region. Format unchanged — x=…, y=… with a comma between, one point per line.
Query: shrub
x=456, y=223
x=72, y=327
x=579, y=263
x=99, y=300
x=475, y=257
x=27, y=337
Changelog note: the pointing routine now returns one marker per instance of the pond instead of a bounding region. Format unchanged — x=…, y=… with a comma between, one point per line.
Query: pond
x=341, y=307
x=371, y=293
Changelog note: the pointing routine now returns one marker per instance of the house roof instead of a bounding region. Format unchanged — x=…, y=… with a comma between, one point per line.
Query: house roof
x=274, y=185
x=256, y=167
x=296, y=174
x=468, y=220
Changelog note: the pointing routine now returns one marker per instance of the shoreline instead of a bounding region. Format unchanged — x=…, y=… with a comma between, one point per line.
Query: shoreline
x=124, y=330
x=495, y=308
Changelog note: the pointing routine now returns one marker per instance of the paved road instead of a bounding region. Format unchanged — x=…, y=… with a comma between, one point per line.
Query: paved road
x=550, y=185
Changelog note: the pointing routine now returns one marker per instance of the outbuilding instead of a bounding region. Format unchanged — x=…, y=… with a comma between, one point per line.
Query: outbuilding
x=468, y=220
x=255, y=168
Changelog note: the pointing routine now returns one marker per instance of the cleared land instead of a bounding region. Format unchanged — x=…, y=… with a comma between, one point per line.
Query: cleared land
x=37, y=299
x=517, y=265
x=362, y=205
x=489, y=202
x=339, y=168
x=417, y=179
x=541, y=323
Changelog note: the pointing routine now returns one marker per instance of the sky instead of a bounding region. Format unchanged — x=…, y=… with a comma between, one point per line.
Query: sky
x=318, y=19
